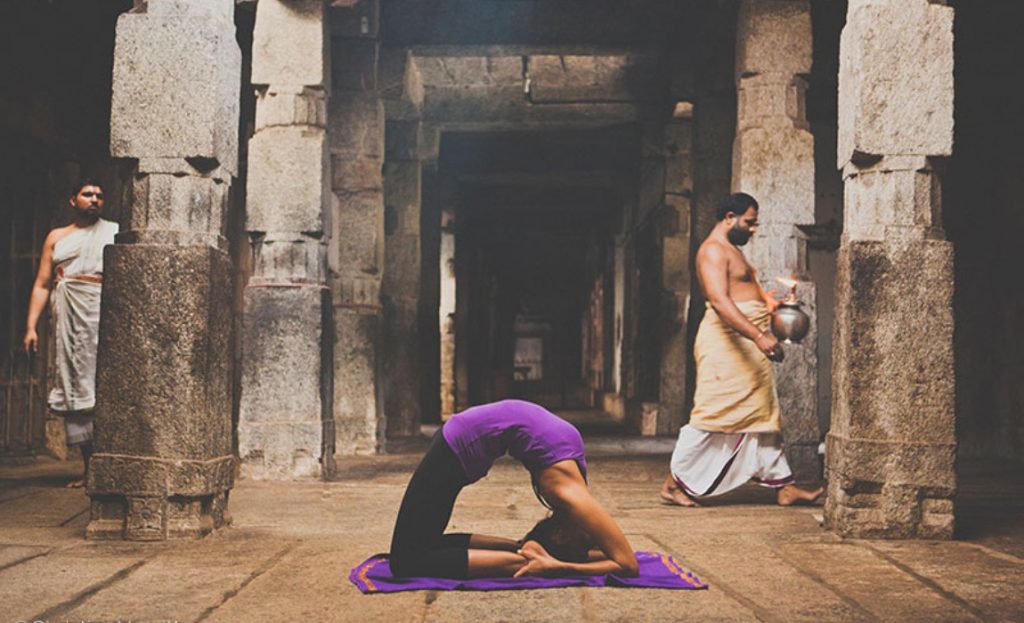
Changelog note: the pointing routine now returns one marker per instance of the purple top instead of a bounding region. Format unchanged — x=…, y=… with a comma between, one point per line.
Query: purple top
x=528, y=432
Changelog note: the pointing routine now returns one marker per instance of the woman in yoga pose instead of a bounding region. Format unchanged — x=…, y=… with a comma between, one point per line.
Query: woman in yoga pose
x=579, y=538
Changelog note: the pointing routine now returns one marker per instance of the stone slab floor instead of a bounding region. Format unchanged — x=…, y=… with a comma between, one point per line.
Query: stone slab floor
x=287, y=555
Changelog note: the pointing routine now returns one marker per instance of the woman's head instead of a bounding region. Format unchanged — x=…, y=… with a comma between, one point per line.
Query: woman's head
x=561, y=538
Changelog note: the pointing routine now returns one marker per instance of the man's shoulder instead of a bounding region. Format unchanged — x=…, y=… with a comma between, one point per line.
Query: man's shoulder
x=712, y=249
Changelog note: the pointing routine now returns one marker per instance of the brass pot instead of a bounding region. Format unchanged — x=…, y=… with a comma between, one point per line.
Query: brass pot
x=789, y=322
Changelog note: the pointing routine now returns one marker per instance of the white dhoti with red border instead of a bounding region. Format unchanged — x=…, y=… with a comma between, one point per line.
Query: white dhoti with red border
x=706, y=464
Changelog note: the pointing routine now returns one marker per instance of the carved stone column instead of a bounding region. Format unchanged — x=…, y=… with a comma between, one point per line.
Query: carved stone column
x=163, y=464
x=285, y=426
x=892, y=444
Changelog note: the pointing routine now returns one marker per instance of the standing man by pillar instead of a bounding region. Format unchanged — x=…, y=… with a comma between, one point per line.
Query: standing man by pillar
x=892, y=445
x=71, y=276
x=163, y=464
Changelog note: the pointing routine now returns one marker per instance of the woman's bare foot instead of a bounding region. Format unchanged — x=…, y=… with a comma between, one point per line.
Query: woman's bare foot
x=75, y=484
x=791, y=494
x=671, y=494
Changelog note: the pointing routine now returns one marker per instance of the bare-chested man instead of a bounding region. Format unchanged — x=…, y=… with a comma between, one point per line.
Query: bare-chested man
x=733, y=435
x=70, y=277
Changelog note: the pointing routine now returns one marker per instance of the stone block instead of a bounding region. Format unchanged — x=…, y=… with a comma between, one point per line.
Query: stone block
x=289, y=43
x=359, y=233
x=354, y=65
x=281, y=450
x=163, y=382
x=401, y=368
x=285, y=349
x=895, y=80
x=174, y=202
x=774, y=36
x=776, y=166
x=356, y=122
x=356, y=174
x=675, y=267
x=471, y=71
x=590, y=77
x=897, y=198
x=402, y=140
x=777, y=250
x=290, y=105
x=176, y=82
x=223, y=10
x=402, y=260
x=358, y=411
x=287, y=179
x=280, y=258
x=893, y=374
x=764, y=101
x=357, y=291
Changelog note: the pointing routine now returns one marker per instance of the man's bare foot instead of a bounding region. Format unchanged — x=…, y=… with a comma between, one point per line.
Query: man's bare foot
x=791, y=494
x=76, y=484
x=671, y=494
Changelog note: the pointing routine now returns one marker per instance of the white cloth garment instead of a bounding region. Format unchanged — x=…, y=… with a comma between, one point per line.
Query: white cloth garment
x=75, y=304
x=707, y=464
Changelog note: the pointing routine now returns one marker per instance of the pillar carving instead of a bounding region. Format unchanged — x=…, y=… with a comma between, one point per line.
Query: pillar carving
x=164, y=464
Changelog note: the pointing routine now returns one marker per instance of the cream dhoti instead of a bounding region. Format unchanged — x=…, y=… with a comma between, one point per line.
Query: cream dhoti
x=75, y=303
x=733, y=434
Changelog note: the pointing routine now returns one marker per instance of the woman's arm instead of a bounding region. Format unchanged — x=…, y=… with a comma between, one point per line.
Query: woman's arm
x=565, y=489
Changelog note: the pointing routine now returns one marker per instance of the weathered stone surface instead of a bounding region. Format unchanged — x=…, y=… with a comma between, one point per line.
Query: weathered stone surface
x=290, y=105
x=470, y=71
x=358, y=408
x=773, y=36
x=893, y=199
x=289, y=41
x=356, y=122
x=896, y=80
x=358, y=239
x=402, y=197
x=162, y=381
x=284, y=384
x=287, y=179
x=354, y=64
x=772, y=99
x=355, y=18
x=892, y=444
x=174, y=202
x=776, y=166
x=177, y=74
x=581, y=78
x=281, y=258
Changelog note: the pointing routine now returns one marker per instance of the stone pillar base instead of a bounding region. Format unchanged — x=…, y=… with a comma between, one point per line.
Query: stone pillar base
x=892, y=448
x=866, y=502
x=146, y=499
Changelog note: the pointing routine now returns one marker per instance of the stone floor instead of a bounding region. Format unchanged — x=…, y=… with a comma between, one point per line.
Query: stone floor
x=287, y=555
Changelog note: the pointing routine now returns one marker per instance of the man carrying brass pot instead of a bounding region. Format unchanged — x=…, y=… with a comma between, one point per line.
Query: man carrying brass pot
x=733, y=435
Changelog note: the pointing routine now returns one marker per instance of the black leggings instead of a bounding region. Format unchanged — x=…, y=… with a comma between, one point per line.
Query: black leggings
x=419, y=546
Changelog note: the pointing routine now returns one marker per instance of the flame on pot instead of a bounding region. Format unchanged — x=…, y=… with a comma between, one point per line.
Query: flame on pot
x=788, y=282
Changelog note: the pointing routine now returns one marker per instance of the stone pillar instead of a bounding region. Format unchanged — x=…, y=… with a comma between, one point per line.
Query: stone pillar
x=356, y=254
x=163, y=464
x=892, y=444
x=674, y=228
x=285, y=423
x=400, y=287
x=773, y=160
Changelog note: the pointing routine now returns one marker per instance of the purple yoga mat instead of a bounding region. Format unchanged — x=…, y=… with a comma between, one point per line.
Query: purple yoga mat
x=657, y=570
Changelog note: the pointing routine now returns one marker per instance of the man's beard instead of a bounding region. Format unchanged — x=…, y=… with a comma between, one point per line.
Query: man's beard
x=738, y=236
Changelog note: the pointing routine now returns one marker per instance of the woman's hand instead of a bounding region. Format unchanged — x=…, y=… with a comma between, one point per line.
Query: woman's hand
x=538, y=561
